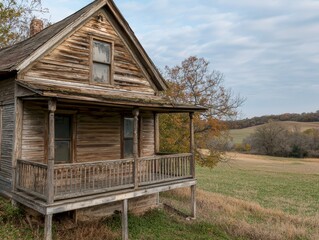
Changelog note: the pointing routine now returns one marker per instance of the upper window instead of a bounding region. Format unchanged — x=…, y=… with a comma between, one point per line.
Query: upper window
x=102, y=59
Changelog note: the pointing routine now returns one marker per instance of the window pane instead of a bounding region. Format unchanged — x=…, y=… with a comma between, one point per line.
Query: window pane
x=128, y=127
x=101, y=52
x=62, y=151
x=62, y=126
x=128, y=148
x=101, y=73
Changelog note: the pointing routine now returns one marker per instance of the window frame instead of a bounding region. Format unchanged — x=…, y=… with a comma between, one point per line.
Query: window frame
x=111, y=64
x=123, y=137
x=73, y=134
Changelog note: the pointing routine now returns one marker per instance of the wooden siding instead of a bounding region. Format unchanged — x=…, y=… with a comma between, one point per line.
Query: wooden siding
x=7, y=131
x=98, y=136
x=97, y=133
x=147, y=131
x=33, y=133
x=7, y=141
x=70, y=61
x=7, y=91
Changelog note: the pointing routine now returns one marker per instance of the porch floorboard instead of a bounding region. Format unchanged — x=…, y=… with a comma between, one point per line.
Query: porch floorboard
x=97, y=199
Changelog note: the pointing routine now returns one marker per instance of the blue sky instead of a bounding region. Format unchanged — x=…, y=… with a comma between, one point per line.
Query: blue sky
x=267, y=50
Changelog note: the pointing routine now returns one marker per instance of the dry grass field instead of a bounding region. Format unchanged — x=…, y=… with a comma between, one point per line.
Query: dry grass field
x=259, y=197
x=247, y=197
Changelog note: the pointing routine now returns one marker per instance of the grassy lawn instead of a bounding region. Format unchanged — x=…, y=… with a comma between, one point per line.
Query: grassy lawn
x=293, y=193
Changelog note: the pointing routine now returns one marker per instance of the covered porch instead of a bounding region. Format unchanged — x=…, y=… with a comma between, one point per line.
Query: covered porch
x=50, y=187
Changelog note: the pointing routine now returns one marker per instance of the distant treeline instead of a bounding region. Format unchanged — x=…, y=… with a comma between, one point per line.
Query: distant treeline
x=255, y=121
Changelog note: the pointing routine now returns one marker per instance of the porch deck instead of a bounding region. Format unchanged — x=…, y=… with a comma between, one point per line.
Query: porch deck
x=90, y=178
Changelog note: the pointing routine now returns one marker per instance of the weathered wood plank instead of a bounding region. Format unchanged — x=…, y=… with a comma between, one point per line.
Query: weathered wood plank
x=51, y=145
x=70, y=61
x=124, y=220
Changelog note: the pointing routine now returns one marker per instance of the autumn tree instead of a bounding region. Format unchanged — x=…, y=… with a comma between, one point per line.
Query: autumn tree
x=192, y=82
x=15, y=18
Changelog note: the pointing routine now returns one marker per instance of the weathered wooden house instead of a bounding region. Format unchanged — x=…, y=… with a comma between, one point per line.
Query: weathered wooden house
x=79, y=105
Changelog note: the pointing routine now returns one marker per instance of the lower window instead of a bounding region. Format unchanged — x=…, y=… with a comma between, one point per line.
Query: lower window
x=63, y=139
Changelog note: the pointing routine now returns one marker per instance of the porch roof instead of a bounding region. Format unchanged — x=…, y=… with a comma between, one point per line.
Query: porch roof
x=106, y=96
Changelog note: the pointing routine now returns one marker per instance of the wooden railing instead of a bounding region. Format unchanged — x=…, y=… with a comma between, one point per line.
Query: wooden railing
x=73, y=180
x=32, y=178
x=80, y=179
x=157, y=169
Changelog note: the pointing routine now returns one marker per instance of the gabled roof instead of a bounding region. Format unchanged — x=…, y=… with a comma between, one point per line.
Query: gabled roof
x=19, y=56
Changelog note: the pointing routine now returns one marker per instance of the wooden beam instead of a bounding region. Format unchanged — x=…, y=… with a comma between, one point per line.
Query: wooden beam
x=156, y=133
x=135, y=146
x=193, y=201
x=192, y=142
x=51, y=155
x=90, y=201
x=17, y=148
x=48, y=227
x=124, y=220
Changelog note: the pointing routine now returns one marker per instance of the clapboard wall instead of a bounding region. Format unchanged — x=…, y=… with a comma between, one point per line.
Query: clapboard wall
x=97, y=132
x=7, y=109
x=71, y=60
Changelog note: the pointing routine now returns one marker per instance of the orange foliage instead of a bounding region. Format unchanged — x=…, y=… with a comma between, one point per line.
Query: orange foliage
x=192, y=83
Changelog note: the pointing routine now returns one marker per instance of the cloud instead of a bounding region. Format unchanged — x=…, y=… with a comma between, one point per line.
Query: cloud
x=268, y=50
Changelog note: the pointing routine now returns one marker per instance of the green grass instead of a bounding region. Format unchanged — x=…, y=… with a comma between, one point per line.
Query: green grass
x=249, y=197
x=293, y=193
x=239, y=135
x=159, y=224
x=10, y=224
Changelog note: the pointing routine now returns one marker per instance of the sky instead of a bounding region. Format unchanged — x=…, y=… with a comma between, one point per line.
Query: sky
x=268, y=50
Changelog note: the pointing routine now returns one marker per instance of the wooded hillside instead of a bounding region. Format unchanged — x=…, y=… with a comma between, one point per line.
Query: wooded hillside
x=250, y=122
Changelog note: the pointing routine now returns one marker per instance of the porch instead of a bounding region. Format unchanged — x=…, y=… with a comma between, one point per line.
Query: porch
x=92, y=177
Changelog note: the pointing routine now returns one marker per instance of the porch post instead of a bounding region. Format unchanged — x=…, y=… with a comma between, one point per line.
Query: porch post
x=48, y=227
x=50, y=180
x=17, y=142
x=192, y=142
x=124, y=220
x=135, y=146
x=157, y=137
x=193, y=201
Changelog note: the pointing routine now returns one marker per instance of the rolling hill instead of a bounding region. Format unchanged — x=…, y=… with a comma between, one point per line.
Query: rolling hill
x=239, y=135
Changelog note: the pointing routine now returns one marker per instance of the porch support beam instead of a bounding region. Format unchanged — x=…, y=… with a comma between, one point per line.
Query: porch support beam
x=135, y=147
x=193, y=202
x=17, y=151
x=48, y=227
x=51, y=154
x=192, y=142
x=124, y=220
x=156, y=129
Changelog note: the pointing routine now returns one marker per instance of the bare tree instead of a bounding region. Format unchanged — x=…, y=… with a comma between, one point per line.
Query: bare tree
x=192, y=82
x=15, y=18
x=269, y=139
